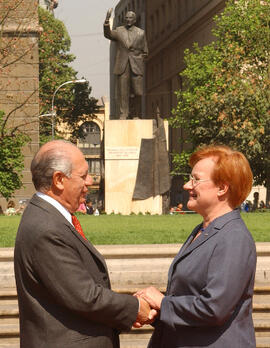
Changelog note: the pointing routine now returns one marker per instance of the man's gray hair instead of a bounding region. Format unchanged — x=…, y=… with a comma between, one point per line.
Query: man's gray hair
x=45, y=163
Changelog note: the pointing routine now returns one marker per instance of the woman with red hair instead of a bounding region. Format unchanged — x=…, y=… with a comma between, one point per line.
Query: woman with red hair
x=208, y=302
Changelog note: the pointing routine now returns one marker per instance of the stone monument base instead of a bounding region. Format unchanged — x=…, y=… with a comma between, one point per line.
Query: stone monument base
x=122, y=141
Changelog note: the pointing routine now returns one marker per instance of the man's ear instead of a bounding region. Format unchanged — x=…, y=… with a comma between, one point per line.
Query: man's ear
x=223, y=189
x=58, y=180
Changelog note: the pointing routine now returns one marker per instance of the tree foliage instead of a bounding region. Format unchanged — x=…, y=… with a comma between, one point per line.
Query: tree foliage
x=11, y=157
x=54, y=68
x=73, y=100
x=83, y=108
x=226, y=95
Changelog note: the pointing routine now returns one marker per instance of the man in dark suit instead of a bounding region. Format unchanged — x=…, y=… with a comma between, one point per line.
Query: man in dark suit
x=62, y=281
x=129, y=61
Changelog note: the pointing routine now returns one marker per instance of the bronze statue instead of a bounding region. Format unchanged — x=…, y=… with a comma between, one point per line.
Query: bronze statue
x=129, y=61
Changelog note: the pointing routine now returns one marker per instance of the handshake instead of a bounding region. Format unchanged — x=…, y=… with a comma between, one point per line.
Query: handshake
x=150, y=302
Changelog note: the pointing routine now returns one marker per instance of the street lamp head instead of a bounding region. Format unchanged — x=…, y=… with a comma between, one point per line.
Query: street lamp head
x=53, y=112
x=80, y=81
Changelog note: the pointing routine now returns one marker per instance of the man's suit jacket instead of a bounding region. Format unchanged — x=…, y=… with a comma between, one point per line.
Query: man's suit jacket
x=208, y=302
x=131, y=47
x=63, y=286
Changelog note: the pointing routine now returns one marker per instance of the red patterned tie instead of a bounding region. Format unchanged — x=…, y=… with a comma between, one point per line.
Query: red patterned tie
x=77, y=225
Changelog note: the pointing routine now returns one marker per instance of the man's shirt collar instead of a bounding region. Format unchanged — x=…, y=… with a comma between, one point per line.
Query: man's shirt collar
x=56, y=204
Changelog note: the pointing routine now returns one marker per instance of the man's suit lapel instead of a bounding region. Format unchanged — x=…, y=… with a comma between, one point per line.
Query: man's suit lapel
x=54, y=212
x=129, y=37
x=132, y=36
x=124, y=37
x=87, y=243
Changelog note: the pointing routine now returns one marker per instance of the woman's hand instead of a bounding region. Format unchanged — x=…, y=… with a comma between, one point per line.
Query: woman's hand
x=152, y=295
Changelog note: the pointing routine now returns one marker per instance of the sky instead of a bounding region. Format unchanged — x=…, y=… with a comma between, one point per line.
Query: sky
x=84, y=22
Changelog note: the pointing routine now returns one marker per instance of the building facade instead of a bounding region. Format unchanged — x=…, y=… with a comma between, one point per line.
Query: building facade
x=19, y=78
x=91, y=145
x=173, y=26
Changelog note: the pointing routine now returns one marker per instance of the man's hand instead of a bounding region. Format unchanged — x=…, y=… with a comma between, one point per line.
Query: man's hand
x=146, y=315
x=152, y=295
x=108, y=16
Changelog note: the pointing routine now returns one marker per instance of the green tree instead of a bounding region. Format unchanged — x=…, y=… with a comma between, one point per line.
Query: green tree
x=12, y=139
x=54, y=68
x=82, y=104
x=73, y=101
x=226, y=94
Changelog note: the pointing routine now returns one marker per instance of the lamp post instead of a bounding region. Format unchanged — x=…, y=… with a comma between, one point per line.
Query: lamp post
x=53, y=112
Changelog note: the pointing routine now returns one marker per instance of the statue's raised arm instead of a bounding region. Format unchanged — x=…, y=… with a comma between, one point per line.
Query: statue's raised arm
x=108, y=15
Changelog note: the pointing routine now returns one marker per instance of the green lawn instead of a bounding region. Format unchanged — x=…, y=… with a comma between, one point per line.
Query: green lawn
x=140, y=229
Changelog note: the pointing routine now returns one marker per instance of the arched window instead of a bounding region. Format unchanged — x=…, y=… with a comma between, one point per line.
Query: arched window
x=90, y=127
x=90, y=143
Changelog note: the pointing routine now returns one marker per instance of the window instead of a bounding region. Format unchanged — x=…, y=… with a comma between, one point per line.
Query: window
x=93, y=166
x=164, y=18
x=161, y=68
x=157, y=23
x=170, y=13
x=152, y=28
x=90, y=127
x=90, y=143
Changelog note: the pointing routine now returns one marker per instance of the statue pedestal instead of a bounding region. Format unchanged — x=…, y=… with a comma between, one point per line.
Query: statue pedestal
x=122, y=141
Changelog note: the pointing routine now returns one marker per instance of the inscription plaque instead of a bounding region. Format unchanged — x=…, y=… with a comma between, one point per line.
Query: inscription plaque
x=127, y=152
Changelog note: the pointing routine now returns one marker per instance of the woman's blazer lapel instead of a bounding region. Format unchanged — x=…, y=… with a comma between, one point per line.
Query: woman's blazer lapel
x=214, y=227
x=189, y=246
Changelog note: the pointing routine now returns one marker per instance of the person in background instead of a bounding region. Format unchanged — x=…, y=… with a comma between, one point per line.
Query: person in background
x=262, y=205
x=179, y=209
x=10, y=208
x=172, y=210
x=89, y=207
x=82, y=208
x=247, y=207
x=63, y=286
x=208, y=302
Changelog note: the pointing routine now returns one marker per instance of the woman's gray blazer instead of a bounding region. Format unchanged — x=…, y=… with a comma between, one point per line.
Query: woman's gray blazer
x=208, y=301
